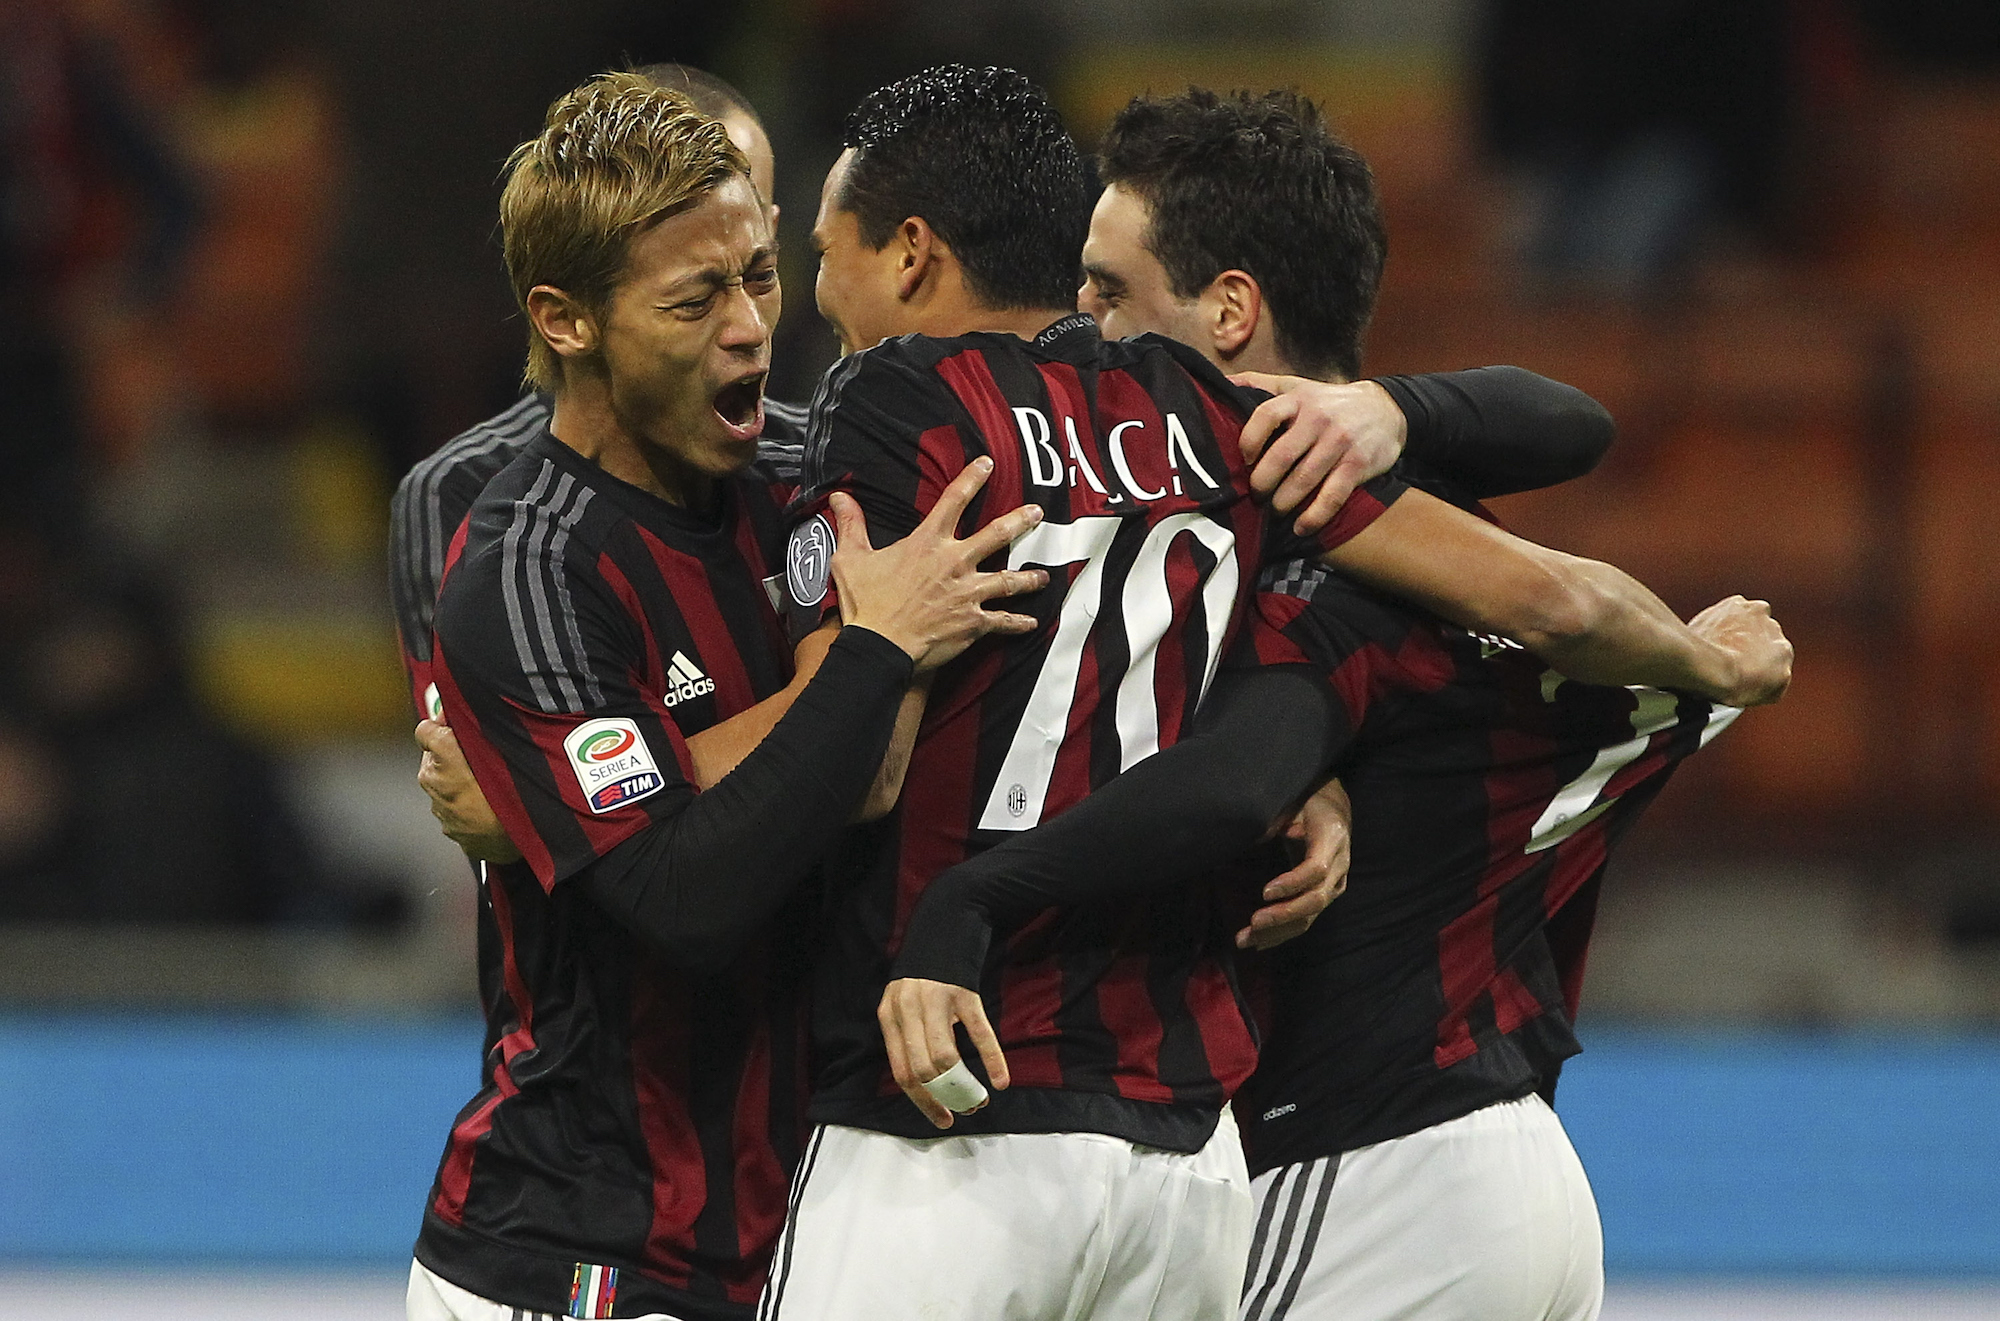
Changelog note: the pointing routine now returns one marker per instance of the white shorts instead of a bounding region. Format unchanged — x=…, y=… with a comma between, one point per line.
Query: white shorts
x=1011, y=1227
x=434, y=1298
x=1487, y=1217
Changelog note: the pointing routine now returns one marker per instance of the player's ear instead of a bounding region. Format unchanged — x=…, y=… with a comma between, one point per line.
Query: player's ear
x=558, y=318
x=919, y=254
x=1232, y=305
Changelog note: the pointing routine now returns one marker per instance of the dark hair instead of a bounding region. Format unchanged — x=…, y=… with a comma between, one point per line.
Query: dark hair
x=712, y=96
x=984, y=159
x=1258, y=184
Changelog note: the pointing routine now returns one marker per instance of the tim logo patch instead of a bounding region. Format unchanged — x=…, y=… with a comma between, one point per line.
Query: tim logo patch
x=612, y=763
x=809, y=560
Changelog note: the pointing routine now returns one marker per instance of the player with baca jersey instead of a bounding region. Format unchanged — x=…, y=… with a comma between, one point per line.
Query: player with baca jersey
x=1102, y=1177
x=603, y=608
x=1407, y=1165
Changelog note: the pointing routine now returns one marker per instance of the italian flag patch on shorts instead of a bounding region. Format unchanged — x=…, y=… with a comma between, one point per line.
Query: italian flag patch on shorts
x=593, y=1291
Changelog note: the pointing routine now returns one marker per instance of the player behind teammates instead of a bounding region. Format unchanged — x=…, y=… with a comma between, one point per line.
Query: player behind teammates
x=603, y=609
x=1407, y=1164
x=1103, y=1178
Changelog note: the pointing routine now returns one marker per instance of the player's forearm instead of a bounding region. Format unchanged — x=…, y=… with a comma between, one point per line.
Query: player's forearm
x=1621, y=633
x=1266, y=737
x=1588, y=620
x=698, y=885
x=719, y=749
x=1496, y=430
x=888, y=786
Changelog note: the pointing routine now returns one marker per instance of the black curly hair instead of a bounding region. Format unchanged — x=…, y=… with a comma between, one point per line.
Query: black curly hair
x=1258, y=183
x=983, y=157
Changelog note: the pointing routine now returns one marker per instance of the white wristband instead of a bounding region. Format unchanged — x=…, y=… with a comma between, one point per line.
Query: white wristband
x=957, y=1090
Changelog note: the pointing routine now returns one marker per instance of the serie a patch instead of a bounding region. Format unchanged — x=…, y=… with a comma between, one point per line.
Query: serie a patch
x=612, y=763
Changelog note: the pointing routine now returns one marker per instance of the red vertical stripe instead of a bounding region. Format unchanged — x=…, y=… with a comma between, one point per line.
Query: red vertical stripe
x=694, y=594
x=455, y=1177
x=1125, y=1006
x=1030, y=999
x=940, y=458
x=1225, y=1032
x=1120, y=398
x=654, y=679
x=758, y=1179
x=660, y=1083
x=972, y=381
x=495, y=779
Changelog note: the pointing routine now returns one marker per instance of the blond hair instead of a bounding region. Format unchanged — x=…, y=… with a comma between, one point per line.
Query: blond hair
x=613, y=156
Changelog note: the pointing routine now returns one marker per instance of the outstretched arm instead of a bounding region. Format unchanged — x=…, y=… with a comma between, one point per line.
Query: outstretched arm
x=1590, y=621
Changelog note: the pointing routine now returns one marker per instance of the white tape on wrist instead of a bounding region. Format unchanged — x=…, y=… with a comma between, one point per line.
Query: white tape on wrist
x=957, y=1090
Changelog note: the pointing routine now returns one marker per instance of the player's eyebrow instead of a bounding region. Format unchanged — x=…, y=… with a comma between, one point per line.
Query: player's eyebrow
x=715, y=277
x=1102, y=277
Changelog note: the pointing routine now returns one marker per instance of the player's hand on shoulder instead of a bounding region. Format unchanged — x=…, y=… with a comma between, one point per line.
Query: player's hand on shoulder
x=1313, y=442
x=927, y=593
x=1325, y=826
x=917, y=1017
x=460, y=808
x=1762, y=653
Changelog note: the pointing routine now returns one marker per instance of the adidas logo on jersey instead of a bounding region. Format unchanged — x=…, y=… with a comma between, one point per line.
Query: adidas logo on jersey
x=685, y=681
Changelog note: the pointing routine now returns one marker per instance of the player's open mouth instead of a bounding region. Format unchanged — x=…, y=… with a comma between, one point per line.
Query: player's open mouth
x=740, y=405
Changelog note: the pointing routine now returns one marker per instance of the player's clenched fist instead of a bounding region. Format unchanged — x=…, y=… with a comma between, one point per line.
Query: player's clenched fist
x=917, y=1018
x=1763, y=655
x=456, y=801
x=927, y=593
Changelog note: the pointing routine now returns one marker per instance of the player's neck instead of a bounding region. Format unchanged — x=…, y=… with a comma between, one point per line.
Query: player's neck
x=585, y=421
x=970, y=319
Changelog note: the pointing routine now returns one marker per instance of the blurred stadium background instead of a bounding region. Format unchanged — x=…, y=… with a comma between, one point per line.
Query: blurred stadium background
x=249, y=274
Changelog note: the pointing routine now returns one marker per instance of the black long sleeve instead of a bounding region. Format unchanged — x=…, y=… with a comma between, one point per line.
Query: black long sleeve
x=1265, y=736
x=1497, y=430
x=699, y=884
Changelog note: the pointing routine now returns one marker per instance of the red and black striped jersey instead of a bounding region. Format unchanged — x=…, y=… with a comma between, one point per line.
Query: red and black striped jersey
x=1117, y=1022
x=638, y=1121
x=436, y=494
x=1488, y=792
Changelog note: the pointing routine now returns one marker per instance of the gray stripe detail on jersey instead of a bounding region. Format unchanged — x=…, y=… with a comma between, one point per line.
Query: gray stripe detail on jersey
x=419, y=535
x=511, y=429
x=532, y=553
x=812, y=466
x=558, y=547
x=525, y=512
x=544, y=571
x=1300, y=578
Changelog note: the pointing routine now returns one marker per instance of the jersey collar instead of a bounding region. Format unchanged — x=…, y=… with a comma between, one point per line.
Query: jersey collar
x=1076, y=323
